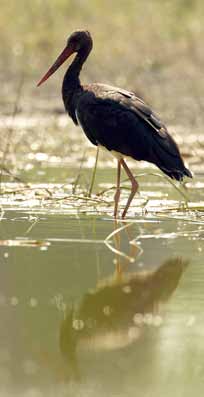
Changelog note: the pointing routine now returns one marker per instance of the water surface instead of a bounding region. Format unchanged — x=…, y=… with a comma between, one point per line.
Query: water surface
x=71, y=324
x=90, y=308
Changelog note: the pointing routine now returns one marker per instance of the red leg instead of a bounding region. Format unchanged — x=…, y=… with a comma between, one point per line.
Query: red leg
x=134, y=186
x=117, y=193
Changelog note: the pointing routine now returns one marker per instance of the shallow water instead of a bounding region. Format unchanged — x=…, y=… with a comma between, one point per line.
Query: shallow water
x=89, y=307
x=72, y=325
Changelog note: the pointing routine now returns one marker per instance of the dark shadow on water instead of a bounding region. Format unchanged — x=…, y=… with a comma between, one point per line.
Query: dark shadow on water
x=118, y=312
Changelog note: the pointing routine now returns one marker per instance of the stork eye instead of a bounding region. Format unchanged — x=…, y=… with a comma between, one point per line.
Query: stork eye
x=74, y=44
x=77, y=46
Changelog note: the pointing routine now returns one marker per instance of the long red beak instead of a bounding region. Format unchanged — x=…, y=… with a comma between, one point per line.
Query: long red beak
x=59, y=61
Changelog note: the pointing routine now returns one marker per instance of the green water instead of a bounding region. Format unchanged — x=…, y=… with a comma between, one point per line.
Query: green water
x=83, y=312
x=70, y=326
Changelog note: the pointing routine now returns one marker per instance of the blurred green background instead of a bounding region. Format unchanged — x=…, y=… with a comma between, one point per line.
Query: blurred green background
x=152, y=47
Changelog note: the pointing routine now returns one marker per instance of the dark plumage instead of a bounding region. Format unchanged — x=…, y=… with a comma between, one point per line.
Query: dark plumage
x=120, y=121
x=116, y=119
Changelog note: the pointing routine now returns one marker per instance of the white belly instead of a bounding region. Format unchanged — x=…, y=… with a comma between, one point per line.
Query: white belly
x=115, y=154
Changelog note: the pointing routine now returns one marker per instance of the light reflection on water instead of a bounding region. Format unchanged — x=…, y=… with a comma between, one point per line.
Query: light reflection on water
x=71, y=325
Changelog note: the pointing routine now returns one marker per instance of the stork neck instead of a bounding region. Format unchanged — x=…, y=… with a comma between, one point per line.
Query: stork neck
x=71, y=86
x=71, y=79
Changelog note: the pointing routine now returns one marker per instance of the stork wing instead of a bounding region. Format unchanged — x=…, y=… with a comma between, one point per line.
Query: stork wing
x=120, y=121
x=137, y=105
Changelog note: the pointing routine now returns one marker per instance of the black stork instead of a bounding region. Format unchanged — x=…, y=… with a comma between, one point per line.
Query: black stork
x=116, y=119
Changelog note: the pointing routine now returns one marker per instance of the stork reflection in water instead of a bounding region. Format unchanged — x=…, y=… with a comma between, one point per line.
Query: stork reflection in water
x=116, y=313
